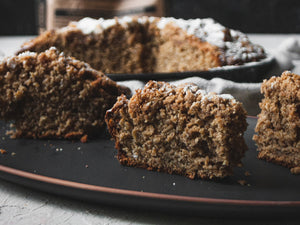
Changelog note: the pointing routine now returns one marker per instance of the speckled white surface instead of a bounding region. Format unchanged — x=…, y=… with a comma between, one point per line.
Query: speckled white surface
x=23, y=206
x=19, y=205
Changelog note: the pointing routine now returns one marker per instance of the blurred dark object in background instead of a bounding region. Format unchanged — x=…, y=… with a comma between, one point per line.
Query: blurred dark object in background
x=60, y=12
x=20, y=17
x=249, y=16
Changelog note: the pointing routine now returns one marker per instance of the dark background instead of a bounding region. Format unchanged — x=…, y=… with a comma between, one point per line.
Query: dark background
x=18, y=17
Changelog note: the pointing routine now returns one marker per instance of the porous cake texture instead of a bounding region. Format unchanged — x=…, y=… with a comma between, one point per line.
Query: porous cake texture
x=150, y=44
x=48, y=95
x=278, y=125
x=180, y=130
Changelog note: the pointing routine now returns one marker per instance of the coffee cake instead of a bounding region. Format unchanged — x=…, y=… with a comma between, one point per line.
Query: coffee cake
x=49, y=95
x=180, y=130
x=278, y=125
x=150, y=44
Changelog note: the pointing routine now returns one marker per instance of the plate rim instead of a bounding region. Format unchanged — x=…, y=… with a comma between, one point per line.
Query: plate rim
x=268, y=61
x=63, y=183
x=149, y=195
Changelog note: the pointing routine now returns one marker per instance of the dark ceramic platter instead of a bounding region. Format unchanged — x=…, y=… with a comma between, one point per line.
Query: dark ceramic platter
x=249, y=72
x=91, y=172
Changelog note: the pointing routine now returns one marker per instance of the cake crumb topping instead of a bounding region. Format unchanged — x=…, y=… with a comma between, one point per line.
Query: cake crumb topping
x=295, y=170
x=49, y=95
x=278, y=125
x=3, y=151
x=178, y=133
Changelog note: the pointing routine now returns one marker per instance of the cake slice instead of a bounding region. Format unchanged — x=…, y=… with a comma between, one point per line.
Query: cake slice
x=180, y=130
x=48, y=95
x=278, y=125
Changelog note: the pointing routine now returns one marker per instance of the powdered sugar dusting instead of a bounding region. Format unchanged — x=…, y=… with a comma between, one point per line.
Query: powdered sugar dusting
x=88, y=25
x=214, y=33
x=208, y=30
x=27, y=53
x=226, y=96
x=12, y=61
x=272, y=84
x=202, y=92
x=206, y=96
x=287, y=72
x=205, y=29
x=190, y=87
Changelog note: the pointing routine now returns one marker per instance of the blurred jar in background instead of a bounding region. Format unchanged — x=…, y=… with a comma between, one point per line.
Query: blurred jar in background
x=58, y=13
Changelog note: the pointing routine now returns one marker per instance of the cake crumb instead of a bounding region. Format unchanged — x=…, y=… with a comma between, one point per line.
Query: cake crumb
x=295, y=170
x=3, y=151
x=247, y=173
x=86, y=166
x=9, y=133
x=159, y=119
x=242, y=182
x=13, y=154
x=83, y=139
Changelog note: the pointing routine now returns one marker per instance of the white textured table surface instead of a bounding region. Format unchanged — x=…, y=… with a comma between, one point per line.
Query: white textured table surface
x=19, y=205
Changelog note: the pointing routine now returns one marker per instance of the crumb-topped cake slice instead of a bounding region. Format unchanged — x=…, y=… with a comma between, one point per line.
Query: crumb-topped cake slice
x=278, y=125
x=150, y=44
x=180, y=130
x=50, y=95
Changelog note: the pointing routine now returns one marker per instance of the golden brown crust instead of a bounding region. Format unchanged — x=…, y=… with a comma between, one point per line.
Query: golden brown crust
x=178, y=130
